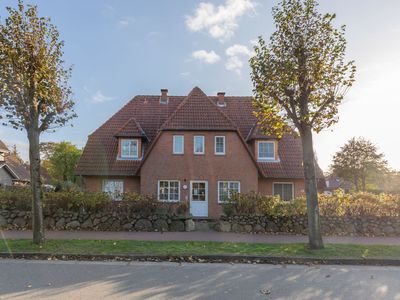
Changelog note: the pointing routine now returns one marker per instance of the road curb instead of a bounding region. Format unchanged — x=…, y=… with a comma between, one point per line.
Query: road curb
x=249, y=259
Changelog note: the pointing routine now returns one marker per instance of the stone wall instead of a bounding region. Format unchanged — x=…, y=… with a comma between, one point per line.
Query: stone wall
x=353, y=226
x=113, y=220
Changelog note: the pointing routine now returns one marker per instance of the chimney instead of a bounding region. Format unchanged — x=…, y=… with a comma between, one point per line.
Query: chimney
x=221, y=99
x=164, y=96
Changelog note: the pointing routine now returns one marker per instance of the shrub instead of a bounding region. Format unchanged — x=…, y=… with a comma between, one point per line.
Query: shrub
x=145, y=205
x=74, y=200
x=339, y=204
x=251, y=203
x=20, y=198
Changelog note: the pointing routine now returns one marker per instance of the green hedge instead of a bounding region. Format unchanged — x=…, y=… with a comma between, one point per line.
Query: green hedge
x=21, y=199
x=339, y=204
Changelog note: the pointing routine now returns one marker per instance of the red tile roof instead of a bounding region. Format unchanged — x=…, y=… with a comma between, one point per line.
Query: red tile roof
x=196, y=111
x=131, y=129
x=3, y=146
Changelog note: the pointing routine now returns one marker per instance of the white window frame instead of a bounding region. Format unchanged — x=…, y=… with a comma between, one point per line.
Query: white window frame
x=194, y=144
x=273, y=189
x=205, y=190
x=229, y=182
x=215, y=145
x=174, y=151
x=135, y=155
x=265, y=158
x=169, y=187
x=119, y=198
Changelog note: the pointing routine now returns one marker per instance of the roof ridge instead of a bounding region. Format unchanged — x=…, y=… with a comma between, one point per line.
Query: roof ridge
x=136, y=123
x=249, y=135
x=186, y=99
x=126, y=123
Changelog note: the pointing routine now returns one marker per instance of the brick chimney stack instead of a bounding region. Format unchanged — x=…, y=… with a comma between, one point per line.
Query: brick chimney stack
x=164, y=96
x=221, y=99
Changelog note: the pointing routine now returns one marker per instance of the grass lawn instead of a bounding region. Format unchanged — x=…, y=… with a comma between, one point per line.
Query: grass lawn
x=193, y=248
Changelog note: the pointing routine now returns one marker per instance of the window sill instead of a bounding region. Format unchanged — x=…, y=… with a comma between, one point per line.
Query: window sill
x=199, y=154
x=219, y=154
x=129, y=158
x=178, y=154
x=169, y=201
x=268, y=160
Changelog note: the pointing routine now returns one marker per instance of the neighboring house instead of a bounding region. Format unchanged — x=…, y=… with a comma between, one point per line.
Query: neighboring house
x=12, y=171
x=333, y=183
x=193, y=148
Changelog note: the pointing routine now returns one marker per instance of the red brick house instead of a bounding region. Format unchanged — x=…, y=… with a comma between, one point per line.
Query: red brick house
x=193, y=148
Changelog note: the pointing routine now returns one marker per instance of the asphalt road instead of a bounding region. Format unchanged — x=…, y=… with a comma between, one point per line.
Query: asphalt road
x=21, y=279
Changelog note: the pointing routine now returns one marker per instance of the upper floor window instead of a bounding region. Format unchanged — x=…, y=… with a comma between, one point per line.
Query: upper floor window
x=178, y=144
x=284, y=190
x=129, y=148
x=266, y=150
x=219, y=145
x=198, y=144
x=169, y=190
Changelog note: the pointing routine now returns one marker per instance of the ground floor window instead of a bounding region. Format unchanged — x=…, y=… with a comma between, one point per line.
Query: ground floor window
x=284, y=191
x=115, y=188
x=169, y=190
x=226, y=189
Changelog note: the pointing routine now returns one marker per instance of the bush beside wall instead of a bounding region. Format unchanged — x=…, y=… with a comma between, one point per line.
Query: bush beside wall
x=93, y=211
x=335, y=225
x=360, y=214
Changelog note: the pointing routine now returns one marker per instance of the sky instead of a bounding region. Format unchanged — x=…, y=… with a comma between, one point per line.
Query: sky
x=122, y=48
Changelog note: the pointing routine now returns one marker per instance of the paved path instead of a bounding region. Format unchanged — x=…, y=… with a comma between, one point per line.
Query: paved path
x=198, y=236
x=115, y=280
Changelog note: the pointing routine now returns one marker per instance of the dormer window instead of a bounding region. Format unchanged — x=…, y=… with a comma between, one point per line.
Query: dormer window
x=266, y=151
x=129, y=149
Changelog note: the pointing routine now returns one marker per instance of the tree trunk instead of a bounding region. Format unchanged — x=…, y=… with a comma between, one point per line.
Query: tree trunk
x=355, y=181
x=363, y=182
x=37, y=209
x=314, y=224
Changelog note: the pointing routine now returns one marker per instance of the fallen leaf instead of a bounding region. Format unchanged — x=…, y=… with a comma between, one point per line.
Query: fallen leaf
x=265, y=291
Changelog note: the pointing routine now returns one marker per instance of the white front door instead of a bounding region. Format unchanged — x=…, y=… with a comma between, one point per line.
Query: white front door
x=199, y=198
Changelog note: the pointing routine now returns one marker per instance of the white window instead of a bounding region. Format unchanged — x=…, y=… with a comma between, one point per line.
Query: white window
x=115, y=188
x=129, y=148
x=284, y=190
x=198, y=144
x=266, y=150
x=169, y=190
x=198, y=190
x=226, y=189
x=219, y=145
x=178, y=144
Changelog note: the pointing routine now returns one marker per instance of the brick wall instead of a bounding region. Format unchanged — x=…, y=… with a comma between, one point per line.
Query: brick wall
x=265, y=186
x=235, y=165
x=95, y=183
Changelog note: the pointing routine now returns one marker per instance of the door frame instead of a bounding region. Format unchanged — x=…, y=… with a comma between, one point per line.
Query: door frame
x=204, y=202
